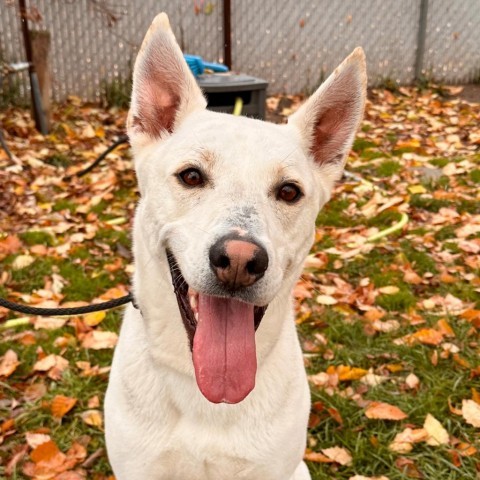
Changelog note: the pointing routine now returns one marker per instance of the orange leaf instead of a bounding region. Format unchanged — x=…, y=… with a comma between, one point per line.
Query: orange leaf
x=10, y=244
x=346, y=373
x=444, y=328
x=61, y=405
x=45, y=452
x=384, y=411
x=7, y=425
x=317, y=457
x=427, y=336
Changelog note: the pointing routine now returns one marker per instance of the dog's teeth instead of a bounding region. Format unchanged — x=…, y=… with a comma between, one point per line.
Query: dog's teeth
x=193, y=302
x=196, y=316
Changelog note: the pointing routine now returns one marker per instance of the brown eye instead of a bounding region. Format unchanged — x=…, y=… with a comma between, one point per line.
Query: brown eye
x=289, y=193
x=191, y=177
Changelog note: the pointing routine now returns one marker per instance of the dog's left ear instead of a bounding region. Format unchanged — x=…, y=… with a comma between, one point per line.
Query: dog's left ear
x=330, y=118
x=164, y=90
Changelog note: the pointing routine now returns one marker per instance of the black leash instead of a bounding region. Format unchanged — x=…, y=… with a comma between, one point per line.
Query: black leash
x=81, y=173
x=96, y=307
x=50, y=312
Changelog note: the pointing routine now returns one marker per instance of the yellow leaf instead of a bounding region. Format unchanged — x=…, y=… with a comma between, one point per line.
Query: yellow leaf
x=350, y=373
x=389, y=290
x=94, y=318
x=417, y=189
x=93, y=418
x=437, y=435
x=384, y=411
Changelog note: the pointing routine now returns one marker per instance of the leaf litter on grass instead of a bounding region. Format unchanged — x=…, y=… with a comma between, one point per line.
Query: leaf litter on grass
x=390, y=328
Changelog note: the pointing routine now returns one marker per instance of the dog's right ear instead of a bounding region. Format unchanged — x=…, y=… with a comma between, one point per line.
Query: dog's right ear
x=164, y=90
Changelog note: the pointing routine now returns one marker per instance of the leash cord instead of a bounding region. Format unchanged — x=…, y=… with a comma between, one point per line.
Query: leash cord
x=49, y=312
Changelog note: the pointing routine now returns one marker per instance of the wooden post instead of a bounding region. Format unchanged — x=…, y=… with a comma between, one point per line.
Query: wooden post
x=227, y=33
x=41, y=59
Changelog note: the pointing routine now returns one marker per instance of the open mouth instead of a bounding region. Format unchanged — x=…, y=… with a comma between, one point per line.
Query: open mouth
x=221, y=332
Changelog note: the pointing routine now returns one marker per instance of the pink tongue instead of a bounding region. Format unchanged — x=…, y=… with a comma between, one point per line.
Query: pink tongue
x=224, y=353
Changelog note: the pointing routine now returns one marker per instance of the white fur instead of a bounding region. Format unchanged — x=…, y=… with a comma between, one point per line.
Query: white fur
x=158, y=424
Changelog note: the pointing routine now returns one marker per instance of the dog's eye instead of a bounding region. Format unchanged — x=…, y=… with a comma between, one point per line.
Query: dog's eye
x=191, y=177
x=289, y=193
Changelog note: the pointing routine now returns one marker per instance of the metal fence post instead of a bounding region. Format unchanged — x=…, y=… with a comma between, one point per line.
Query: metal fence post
x=422, y=33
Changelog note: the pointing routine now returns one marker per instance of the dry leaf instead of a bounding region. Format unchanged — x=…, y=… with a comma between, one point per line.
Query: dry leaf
x=94, y=318
x=49, y=323
x=384, y=411
x=8, y=363
x=389, y=290
x=326, y=300
x=22, y=261
x=48, y=453
x=61, y=405
x=412, y=381
x=35, y=439
x=338, y=455
x=97, y=340
x=346, y=373
x=317, y=457
x=49, y=362
x=471, y=412
x=93, y=418
x=437, y=435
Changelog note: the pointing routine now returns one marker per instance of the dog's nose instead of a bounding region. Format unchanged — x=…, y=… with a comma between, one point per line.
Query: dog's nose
x=238, y=262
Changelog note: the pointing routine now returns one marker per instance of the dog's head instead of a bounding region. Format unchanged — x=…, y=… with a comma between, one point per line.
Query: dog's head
x=231, y=202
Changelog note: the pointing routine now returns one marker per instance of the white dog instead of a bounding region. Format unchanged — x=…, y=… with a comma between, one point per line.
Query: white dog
x=208, y=379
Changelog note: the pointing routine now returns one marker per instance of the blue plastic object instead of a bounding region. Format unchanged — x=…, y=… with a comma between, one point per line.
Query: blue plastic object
x=197, y=65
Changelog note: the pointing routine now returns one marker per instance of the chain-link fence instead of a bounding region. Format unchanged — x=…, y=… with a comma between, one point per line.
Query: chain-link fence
x=293, y=44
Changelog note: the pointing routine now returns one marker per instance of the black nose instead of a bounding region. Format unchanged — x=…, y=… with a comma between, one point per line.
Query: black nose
x=238, y=262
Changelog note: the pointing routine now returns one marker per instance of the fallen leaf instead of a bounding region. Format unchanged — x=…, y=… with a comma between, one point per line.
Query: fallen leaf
x=22, y=261
x=61, y=405
x=47, y=452
x=8, y=245
x=437, y=435
x=389, y=290
x=8, y=363
x=97, y=340
x=35, y=439
x=471, y=412
x=326, y=300
x=417, y=189
x=49, y=323
x=338, y=454
x=53, y=364
x=412, y=381
x=384, y=411
x=94, y=318
x=93, y=418
x=317, y=457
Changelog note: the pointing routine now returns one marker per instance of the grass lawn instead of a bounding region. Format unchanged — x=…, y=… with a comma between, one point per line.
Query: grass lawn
x=390, y=328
